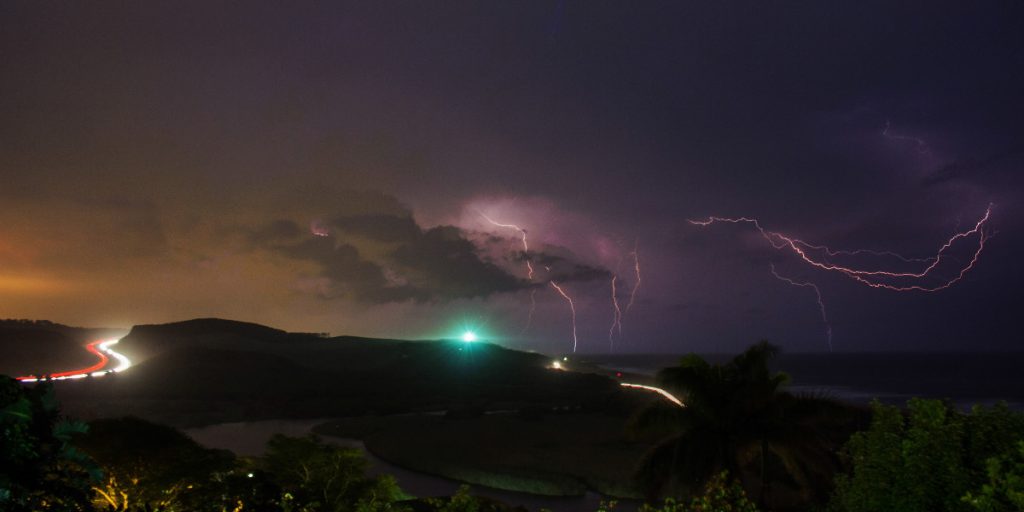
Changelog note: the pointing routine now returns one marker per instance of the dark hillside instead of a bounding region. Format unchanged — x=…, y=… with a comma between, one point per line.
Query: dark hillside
x=145, y=341
x=215, y=370
x=38, y=346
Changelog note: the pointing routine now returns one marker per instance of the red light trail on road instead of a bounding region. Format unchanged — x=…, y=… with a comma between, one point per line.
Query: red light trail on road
x=99, y=348
x=92, y=348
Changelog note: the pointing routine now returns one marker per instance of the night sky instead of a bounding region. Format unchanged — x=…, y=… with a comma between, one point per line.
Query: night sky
x=328, y=168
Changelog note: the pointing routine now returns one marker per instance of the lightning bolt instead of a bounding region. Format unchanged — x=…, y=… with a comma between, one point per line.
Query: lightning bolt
x=529, y=265
x=572, y=307
x=922, y=146
x=636, y=283
x=618, y=312
x=533, y=308
x=317, y=228
x=616, y=318
x=867, y=277
x=811, y=254
x=526, y=245
x=817, y=293
x=858, y=252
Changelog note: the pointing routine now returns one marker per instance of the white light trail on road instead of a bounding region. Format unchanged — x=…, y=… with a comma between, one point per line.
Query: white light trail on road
x=123, y=363
x=662, y=392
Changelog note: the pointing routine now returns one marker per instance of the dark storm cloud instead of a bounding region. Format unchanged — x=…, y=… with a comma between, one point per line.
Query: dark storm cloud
x=450, y=265
x=378, y=258
x=348, y=273
x=579, y=272
x=631, y=116
x=440, y=261
x=380, y=227
x=562, y=269
x=276, y=231
x=974, y=169
x=384, y=257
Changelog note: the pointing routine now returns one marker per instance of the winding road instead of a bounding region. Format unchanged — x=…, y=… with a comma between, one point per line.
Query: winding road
x=668, y=396
x=102, y=350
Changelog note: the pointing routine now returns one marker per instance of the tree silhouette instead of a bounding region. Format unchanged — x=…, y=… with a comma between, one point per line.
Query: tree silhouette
x=39, y=467
x=151, y=465
x=327, y=478
x=739, y=419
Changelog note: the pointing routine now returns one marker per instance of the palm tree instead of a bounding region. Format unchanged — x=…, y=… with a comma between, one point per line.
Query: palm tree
x=739, y=419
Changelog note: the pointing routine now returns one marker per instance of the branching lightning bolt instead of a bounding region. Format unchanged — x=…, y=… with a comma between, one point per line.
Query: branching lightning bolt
x=526, y=245
x=831, y=252
x=872, y=278
x=636, y=283
x=616, y=317
x=616, y=325
x=899, y=281
x=817, y=293
x=533, y=308
x=922, y=146
x=572, y=307
x=529, y=265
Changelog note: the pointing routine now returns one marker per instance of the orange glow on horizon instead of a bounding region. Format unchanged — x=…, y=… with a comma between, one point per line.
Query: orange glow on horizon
x=32, y=285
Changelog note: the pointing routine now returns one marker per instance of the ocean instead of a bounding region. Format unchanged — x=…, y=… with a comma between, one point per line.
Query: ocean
x=964, y=379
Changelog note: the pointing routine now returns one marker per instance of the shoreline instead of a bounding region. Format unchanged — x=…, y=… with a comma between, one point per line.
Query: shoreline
x=248, y=438
x=506, y=452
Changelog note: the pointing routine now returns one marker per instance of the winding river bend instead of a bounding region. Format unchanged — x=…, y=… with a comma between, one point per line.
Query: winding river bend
x=249, y=439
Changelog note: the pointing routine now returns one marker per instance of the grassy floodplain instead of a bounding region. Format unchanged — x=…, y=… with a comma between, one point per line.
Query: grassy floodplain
x=557, y=454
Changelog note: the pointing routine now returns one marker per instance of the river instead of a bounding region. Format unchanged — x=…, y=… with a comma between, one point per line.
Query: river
x=249, y=439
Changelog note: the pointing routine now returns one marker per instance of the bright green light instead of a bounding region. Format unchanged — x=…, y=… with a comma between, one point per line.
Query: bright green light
x=469, y=336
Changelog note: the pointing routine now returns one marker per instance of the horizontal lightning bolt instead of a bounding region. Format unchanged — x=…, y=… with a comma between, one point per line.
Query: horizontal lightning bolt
x=801, y=249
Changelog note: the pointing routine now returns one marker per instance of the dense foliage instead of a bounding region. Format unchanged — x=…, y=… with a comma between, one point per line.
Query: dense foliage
x=929, y=459
x=48, y=463
x=740, y=443
x=738, y=419
x=317, y=476
x=1004, y=490
x=153, y=465
x=39, y=467
x=720, y=494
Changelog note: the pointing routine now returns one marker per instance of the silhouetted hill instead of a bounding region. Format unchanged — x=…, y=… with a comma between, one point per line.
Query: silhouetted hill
x=211, y=370
x=213, y=326
x=145, y=341
x=37, y=346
